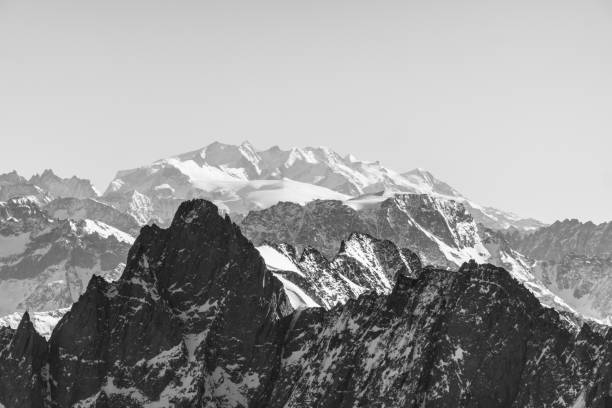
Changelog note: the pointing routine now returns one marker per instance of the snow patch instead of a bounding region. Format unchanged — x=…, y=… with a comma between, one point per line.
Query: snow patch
x=276, y=260
x=297, y=297
x=92, y=227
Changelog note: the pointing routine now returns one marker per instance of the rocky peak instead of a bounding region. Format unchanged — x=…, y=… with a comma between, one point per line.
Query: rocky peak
x=23, y=356
x=203, y=313
x=64, y=187
x=11, y=178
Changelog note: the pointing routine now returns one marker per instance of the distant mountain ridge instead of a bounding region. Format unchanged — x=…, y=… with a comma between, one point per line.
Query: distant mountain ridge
x=44, y=187
x=242, y=178
x=46, y=263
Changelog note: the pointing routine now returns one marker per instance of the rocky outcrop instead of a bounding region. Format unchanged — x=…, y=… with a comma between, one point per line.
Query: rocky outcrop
x=23, y=370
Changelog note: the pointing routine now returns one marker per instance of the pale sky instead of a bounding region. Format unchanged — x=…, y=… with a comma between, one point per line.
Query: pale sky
x=510, y=102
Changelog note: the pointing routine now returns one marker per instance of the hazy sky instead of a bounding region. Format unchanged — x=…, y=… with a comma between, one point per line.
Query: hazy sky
x=510, y=102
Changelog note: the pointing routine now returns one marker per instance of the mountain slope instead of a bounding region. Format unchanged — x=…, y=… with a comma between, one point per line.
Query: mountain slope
x=88, y=208
x=573, y=260
x=553, y=242
x=584, y=283
x=45, y=264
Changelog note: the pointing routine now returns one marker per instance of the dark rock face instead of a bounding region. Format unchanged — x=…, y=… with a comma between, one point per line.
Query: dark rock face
x=471, y=338
x=196, y=320
x=193, y=321
x=23, y=372
x=420, y=222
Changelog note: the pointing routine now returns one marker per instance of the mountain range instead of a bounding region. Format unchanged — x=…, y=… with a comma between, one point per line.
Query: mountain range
x=304, y=275
x=198, y=320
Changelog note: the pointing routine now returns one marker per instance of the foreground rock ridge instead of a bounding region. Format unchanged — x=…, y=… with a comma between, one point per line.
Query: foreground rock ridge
x=197, y=320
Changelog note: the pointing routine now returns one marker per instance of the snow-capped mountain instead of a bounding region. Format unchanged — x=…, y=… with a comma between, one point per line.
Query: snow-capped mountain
x=197, y=319
x=45, y=263
x=241, y=178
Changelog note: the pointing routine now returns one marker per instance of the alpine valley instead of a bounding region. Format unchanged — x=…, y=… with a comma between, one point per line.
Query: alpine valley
x=235, y=277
